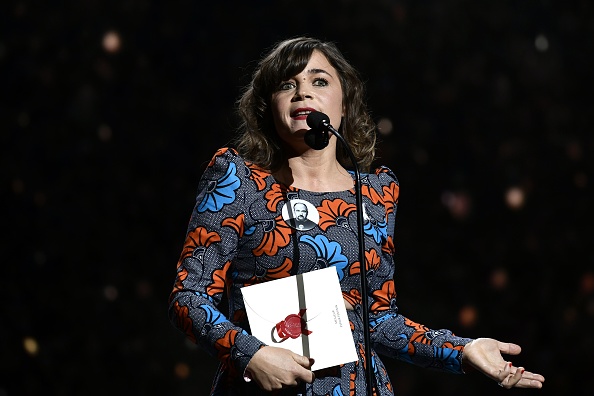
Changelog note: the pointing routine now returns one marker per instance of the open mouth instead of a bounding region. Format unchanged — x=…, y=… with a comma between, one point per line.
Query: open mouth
x=302, y=113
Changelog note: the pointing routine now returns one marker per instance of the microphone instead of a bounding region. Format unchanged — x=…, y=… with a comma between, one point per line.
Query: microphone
x=317, y=137
x=320, y=126
x=318, y=121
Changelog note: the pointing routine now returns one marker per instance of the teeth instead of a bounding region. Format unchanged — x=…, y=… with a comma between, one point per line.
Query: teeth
x=302, y=113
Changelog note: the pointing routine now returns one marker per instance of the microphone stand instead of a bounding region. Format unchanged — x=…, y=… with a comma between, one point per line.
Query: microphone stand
x=361, y=234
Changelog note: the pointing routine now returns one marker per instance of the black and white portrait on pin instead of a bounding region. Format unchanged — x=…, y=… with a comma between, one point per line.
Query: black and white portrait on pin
x=300, y=214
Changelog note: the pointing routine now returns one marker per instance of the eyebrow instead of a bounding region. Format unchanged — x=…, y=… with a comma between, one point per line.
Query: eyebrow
x=317, y=71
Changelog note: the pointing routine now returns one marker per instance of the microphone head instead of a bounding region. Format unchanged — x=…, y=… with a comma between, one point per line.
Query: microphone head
x=317, y=139
x=317, y=120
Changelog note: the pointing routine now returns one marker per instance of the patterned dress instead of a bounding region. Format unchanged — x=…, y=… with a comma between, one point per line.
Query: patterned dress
x=239, y=235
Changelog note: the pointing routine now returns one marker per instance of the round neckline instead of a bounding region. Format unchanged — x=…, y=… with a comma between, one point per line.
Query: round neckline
x=293, y=188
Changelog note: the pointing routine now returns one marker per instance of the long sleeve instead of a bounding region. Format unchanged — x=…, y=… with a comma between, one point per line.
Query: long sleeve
x=204, y=270
x=392, y=334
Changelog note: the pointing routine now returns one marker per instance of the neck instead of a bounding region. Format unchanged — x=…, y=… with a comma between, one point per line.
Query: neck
x=315, y=171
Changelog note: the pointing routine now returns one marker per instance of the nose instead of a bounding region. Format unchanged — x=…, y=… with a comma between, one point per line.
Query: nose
x=301, y=94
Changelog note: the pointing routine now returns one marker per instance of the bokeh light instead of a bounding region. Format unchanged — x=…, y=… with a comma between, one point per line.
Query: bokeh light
x=515, y=197
x=112, y=42
x=541, y=43
x=384, y=125
x=31, y=346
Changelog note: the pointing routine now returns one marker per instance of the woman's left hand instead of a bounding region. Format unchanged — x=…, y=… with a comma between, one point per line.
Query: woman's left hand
x=485, y=355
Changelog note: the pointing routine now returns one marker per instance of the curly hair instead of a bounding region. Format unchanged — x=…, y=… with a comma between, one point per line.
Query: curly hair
x=258, y=141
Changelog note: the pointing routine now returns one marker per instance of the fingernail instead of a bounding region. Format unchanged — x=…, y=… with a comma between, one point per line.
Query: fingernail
x=523, y=371
x=510, y=364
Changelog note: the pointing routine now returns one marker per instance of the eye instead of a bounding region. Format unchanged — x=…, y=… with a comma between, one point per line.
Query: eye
x=320, y=82
x=286, y=85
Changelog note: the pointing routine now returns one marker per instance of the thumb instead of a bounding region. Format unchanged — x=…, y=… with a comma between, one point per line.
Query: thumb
x=303, y=361
x=509, y=348
x=305, y=374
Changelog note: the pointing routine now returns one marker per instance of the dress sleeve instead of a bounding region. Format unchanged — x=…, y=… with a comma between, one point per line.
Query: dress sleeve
x=392, y=334
x=204, y=270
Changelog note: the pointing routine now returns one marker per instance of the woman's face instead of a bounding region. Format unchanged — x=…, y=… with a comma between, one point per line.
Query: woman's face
x=315, y=88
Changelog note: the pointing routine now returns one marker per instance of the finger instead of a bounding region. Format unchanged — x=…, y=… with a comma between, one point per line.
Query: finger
x=530, y=380
x=504, y=372
x=513, y=379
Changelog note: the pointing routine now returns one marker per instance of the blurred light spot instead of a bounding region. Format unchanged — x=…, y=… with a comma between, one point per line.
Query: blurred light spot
x=112, y=42
x=31, y=346
x=104, y=133
x=39, y=199
x=420, y=156
x=18, y=186
x=144, y=289
x=499, y=279
x=574, y=151
x=468, y=316
x=23, y=119
x=581, y=180
x=110, y=293
x=458, y=203
x=384, y=125
x=514, y=198
x=182, y=370
x=569, y=315
x=399, y=12
x=541, y=43
x=587, y=283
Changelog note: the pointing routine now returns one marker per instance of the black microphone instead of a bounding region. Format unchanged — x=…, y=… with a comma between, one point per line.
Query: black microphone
x=320, y=126
x=317, y=137
x=318, y=120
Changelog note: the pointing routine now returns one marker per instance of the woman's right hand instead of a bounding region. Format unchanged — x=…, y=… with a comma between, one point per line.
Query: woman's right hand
x=275, y=368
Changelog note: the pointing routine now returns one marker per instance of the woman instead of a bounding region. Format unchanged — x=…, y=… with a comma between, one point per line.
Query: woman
x=237, y=237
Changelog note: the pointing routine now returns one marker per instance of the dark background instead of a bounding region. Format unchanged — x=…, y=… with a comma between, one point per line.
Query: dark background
x=101, y=151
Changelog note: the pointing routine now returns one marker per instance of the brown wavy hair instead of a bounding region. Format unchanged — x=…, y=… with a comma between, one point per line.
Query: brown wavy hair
x=258, y=141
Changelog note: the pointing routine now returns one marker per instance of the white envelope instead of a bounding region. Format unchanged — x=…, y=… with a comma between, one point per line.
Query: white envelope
x=304, y=313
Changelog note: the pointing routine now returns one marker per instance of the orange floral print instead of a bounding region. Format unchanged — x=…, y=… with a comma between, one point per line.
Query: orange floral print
x=219, y=152
x=353, y=382
x=218, y=280
x=419, y=334
x=332, y=210
x=384, y=296
x=237, y=224
x=283, y=271
x=276, y=194
x=391, y=196
x=198, y=237
x=184, y=322
x=372, y=261
x=371, y=193
x=278, y=237
x=353, y=297
x=388, y=246
x=223, y=346
x=181, y=276
x=258, y=175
